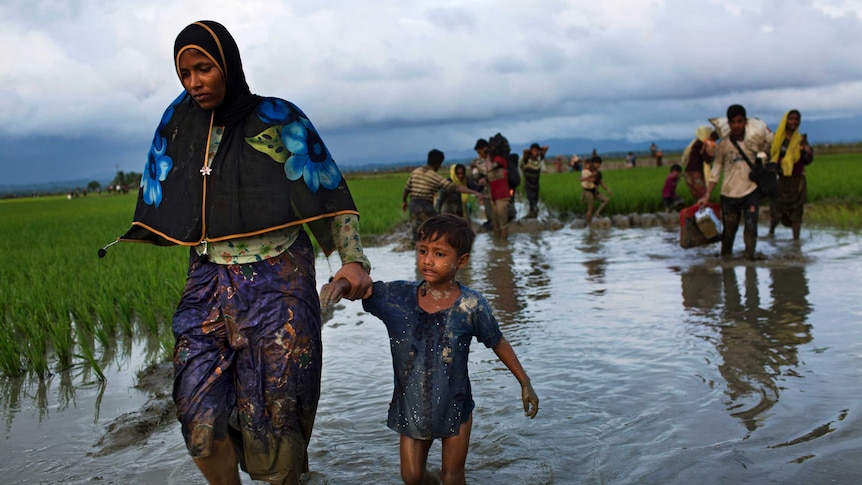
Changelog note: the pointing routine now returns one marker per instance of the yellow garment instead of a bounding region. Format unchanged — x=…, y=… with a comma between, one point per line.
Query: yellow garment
x=702, y=133
x=794, y=148
x=457, y=181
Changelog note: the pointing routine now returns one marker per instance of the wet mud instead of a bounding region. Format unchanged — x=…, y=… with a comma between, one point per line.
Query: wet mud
x=136, y=427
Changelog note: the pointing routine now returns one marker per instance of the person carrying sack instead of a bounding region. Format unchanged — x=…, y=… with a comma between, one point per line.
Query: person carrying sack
x=740, y=198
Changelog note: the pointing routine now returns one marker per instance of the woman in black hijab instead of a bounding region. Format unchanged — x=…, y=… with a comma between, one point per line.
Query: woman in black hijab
x=235, y=176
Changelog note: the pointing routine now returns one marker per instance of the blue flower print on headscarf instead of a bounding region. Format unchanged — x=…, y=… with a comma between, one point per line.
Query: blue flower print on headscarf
x=293, y=141
x=310, y=159
x=156, y=171
x=158, y=164
x=277, y=111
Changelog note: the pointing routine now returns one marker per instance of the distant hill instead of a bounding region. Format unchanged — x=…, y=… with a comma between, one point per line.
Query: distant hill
x=31, y=154
x=46, y=188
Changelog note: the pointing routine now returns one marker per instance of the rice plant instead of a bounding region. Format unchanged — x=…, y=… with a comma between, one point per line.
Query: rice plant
x=378, y=199
x=52, y=277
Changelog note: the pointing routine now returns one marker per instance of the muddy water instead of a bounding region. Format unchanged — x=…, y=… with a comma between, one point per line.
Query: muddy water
x=653, y=365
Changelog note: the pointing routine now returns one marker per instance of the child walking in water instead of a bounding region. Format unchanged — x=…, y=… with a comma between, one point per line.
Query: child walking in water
x=431, y=324
x=591, y=180
x=668, y=192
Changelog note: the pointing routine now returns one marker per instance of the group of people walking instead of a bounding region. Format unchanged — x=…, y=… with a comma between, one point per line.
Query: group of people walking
x=710, y=156
x=738, y=156
x=491, y=177
x=237, y=178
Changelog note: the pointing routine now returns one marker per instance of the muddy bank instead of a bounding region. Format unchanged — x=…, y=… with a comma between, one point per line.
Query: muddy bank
x=136, y=427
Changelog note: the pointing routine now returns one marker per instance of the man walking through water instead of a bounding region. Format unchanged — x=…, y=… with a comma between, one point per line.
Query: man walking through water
x=739, y=196
x=531, y=165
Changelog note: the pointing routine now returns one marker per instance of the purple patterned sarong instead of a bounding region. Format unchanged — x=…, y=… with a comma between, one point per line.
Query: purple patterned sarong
x=247, y=359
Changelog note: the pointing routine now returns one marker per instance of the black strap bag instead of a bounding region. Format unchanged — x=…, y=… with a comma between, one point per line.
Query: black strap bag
x=765, y=175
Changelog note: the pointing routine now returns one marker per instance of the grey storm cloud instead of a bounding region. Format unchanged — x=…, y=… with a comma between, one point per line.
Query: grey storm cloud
x=385, y=78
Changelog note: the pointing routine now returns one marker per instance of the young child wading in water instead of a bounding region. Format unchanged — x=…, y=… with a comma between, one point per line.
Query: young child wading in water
x=431, y=324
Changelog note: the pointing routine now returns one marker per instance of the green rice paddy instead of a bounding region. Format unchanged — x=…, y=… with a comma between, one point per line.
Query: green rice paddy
x=63, y=307
x=834, y=181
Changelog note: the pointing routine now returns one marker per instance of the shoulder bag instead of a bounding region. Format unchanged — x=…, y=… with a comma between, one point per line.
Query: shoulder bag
x=765, y=175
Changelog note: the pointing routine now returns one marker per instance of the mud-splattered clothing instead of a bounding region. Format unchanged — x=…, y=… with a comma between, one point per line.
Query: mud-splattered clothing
x=425, y=182
x=240, y=178
x=422, y=186
x=420, y=211
x=247, y=358
x=740, y=200
x=728, y=160
x=696, y=184
x=788, y=206
x=586, y=181
x=532, y=168
x=432, y=395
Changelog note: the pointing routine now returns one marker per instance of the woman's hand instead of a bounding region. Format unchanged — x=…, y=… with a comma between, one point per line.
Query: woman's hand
x=359, y=280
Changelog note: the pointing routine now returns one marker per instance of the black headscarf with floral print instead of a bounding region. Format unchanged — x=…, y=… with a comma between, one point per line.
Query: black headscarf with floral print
x=270, y=170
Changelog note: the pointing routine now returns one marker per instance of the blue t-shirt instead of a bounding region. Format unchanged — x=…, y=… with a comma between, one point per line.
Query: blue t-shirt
x=429, y=356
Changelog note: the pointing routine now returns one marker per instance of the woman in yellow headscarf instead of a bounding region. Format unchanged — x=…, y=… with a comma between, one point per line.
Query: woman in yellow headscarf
x=453, y=202
x=791, y=151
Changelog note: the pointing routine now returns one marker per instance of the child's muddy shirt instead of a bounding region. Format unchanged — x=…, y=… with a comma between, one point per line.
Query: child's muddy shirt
x=432, y=395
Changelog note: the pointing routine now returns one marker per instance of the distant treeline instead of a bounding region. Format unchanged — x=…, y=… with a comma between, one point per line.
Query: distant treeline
x=122, y=182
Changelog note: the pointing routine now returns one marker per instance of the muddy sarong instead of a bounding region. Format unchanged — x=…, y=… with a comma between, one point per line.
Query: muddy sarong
x=247, y=359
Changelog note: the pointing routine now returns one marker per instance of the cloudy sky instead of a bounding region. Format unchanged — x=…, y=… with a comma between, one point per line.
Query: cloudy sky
x=83, y=83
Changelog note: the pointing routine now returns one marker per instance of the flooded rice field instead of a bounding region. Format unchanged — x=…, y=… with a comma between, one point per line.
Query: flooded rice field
x=653, y=365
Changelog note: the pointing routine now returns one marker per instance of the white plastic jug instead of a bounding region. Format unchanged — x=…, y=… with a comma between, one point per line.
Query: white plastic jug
x=708, y=222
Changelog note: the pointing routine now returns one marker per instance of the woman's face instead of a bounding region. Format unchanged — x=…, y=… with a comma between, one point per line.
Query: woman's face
x=202, y=79
x=792, y=122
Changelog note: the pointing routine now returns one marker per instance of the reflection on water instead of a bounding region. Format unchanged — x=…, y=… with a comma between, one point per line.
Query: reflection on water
x=56, y=392
x=536, y=276
x=596, y=265
x=654, y=365
x=500, y=275
x=758, y=344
